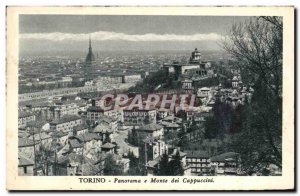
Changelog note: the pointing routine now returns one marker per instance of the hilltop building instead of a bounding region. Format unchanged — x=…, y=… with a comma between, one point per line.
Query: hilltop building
x=195, y=66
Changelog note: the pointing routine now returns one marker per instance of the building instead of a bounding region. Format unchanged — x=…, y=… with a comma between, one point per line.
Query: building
x=187, y=85
x=199, y=114
x=25, y=117
x=226, y=164
x=163, y=112
x=170, y=126
x=204, y=94
x=195, y=57
x=80, y=129
x=137, y=135
x=193, y=66
x=152, y=167
x=44, y=138
x=136, y=116
x=65, y=81
x=65, y=108
x=25, y=166
x=235, y=82
x=108, y=80
x=92, y=143
x=58, y=92
x=74, y=164
x=93, y=167
x=66, y=123
x=199, y=162
x=150, y=153
x=105, y=130
x=108, y=148
x=96, y=113
x=76, y=145
x=124, y=163
x=151, y=149
x=26, y=148
x=172, y=119
x=131, y=78
x=60, y=137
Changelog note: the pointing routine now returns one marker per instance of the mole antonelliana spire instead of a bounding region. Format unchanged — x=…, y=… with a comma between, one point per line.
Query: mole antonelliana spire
x=89, y=61
x=90, y=56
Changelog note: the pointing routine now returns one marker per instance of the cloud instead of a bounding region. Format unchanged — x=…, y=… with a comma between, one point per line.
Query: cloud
x=114, y=36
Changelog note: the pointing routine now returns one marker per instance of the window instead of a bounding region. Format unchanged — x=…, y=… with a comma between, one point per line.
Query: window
x=25, y=170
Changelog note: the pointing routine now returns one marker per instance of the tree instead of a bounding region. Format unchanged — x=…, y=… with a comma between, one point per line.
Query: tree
x=134, y=166
x=44, y=155
x=111, y=167
x=163, y=169
x=175, y=166
x=257, y=47
x=211, y=128
x=182, y=136
x=181, y=114
x=151, y=82
x=170, y=168
x=183, y=141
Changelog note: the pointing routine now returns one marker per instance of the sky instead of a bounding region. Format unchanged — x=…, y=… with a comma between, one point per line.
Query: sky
x=48, y=33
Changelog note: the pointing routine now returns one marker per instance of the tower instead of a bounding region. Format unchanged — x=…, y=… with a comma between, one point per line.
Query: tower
x=195, y=57
x=89, y=62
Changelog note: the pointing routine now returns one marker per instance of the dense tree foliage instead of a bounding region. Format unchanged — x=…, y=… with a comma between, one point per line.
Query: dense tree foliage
x=257, y=47
x=157, y=80
x=111, y=167
x=211, y=128
x=172, y=167
x=163, y=169
x=135, y=168
x=175, y=166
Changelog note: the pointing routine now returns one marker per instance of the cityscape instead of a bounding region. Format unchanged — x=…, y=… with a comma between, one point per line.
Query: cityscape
x=198, y=111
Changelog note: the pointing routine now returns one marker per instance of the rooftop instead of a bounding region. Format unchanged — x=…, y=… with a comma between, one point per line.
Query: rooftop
x=153, y=163
x=89, y=169
x=224, y=157
x=169, y=125
x=150, y=127
x=66, y=118
x=75, y=142
x=36, y=124
x=40, y=136
x=23, y=161
x=197, y=153
x=23, y=114
x=86, y=137
x=108, y=145
x=172, y=118
x=59, y=134
x=80, y=127
x=95, y=109
x=103, y=127
x=25, y=142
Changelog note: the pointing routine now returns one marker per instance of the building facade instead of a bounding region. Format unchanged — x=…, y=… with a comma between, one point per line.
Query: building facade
x=199, y=162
